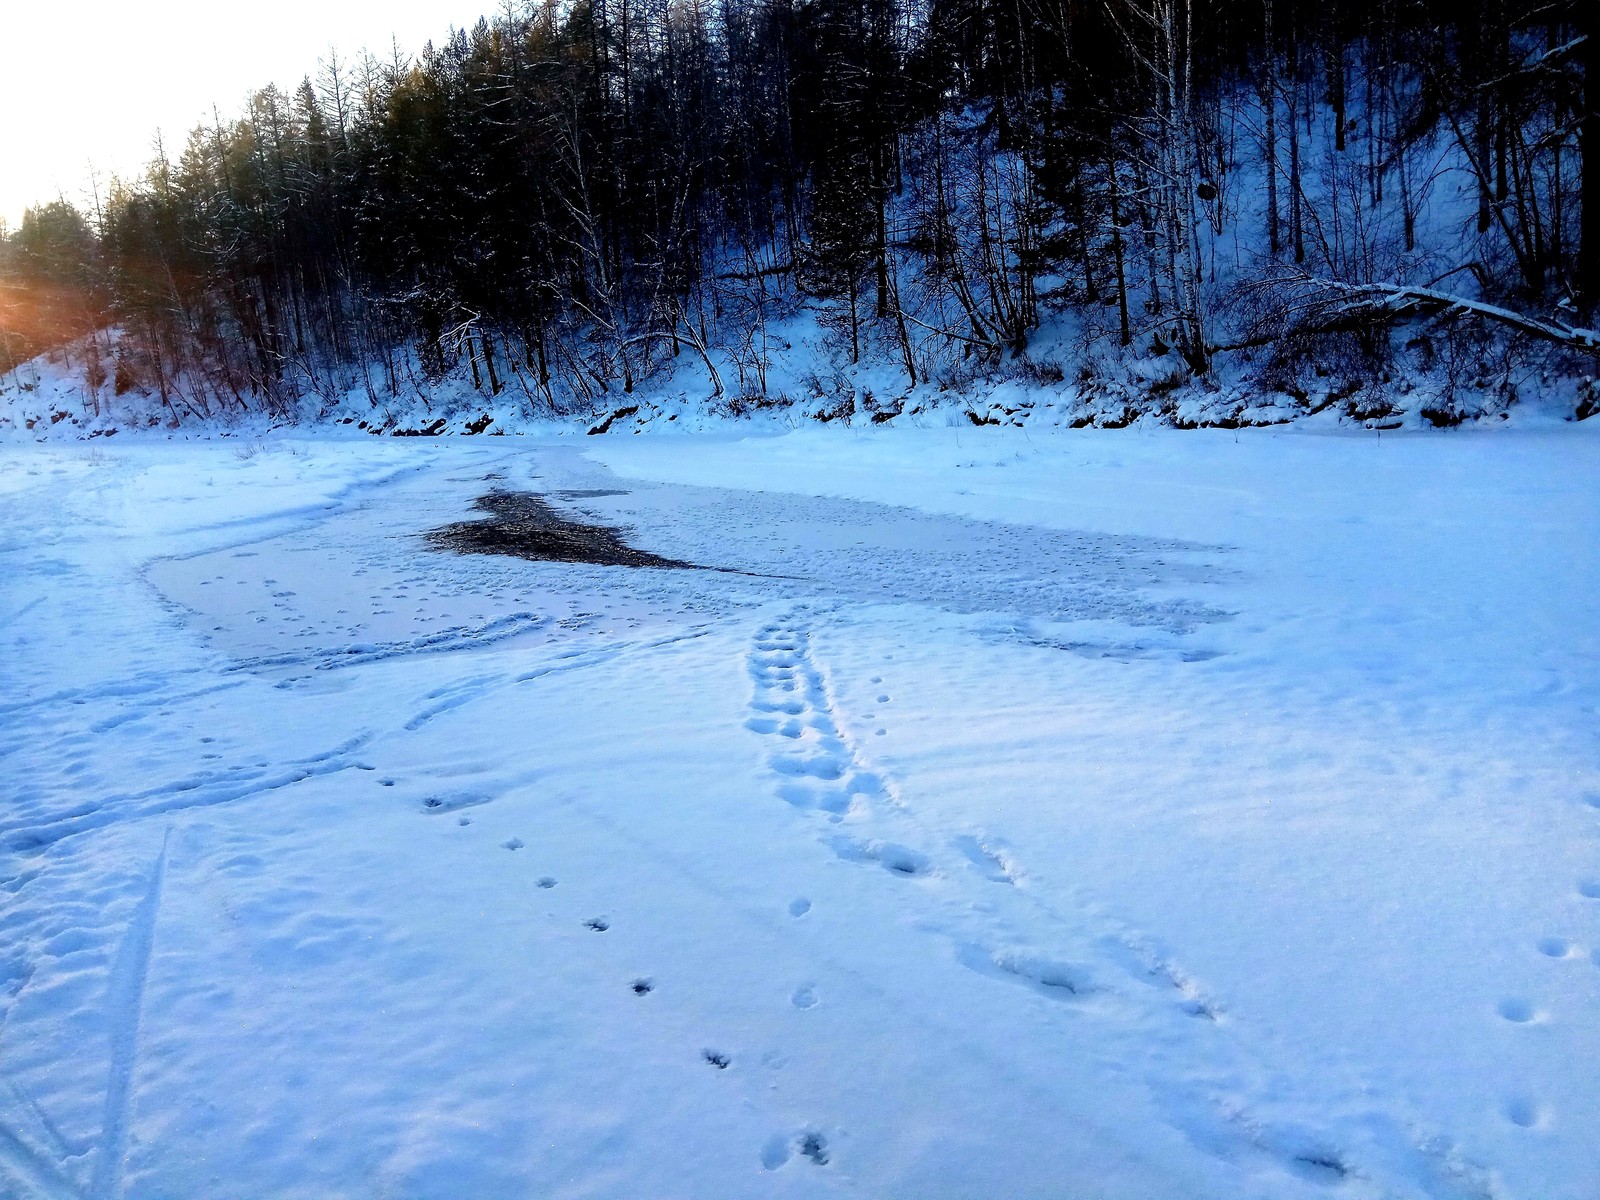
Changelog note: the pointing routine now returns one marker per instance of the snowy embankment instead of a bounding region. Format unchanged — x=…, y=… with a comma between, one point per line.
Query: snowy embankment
x=1134, y=815
x=1057, y=385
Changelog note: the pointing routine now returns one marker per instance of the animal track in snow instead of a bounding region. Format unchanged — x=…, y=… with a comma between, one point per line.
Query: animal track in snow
x=598, y=924
x=443, y=802
x=1589, y=889
x=799, y=907
x=717, y=1059
x=642, y=987
x=804, y=997
x=1554, y=947
x=515, y=843
x=546, y=881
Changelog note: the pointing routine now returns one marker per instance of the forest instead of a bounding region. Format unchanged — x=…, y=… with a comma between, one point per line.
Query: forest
x=569, y=200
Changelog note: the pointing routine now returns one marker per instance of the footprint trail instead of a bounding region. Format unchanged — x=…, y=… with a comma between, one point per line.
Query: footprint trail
x=1214, y=1080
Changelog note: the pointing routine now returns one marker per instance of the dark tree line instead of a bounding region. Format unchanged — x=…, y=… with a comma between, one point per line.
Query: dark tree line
x=567, y=197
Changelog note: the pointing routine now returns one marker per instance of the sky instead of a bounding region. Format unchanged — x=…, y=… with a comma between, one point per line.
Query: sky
x=92, y=82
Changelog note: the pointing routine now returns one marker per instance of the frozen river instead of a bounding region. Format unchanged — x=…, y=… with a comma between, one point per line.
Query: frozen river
x=1079, y=815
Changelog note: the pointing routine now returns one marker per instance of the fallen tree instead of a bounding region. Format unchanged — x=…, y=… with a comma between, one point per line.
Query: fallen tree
x=1325, y=306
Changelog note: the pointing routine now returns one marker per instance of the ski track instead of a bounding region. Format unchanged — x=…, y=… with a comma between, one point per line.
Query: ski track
x=299, y=517
x=30, y=1169
x=31, y=828
x=444, y=641
x=460, y=693
x=1166, y=1018
x=125, y=1002
x=200, y=791
x=41, y=1162
x=453, y=696
x=141, y=684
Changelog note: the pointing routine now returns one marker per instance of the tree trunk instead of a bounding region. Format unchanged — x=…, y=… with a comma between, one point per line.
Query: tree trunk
x=1116, y=248
x=1589, y=152
x=1269, y=98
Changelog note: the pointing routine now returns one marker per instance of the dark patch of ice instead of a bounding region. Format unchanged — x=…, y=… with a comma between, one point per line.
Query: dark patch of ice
x=523, y=525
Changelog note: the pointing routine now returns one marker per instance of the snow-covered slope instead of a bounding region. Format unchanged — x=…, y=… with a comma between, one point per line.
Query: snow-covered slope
x=1021, y=814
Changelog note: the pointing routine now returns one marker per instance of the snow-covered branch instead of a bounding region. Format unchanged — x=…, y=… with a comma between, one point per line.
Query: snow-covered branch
x=1534, y=66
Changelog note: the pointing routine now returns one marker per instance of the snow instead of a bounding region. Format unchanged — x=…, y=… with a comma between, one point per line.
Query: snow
x=1022, y=813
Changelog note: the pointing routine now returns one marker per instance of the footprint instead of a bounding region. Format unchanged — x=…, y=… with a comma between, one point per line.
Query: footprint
x=776, y=1152
x=993, y=864
x=808, y=796
x=463, y=820
x=1194, y=1002
x=1058, y=980
x=792, y=708
x=825, y=767
x=1554, y=947
x=1524, y=1112
x=1589, y=889
x=1517, y=1011
x=799, y=907
x=515, y=843
x=891, y=856
x=545, y=881
x=805, y=997
x=642, y=987
x=598, y=924
x=717, y=1059
x=883, y=699
x=1052, y=976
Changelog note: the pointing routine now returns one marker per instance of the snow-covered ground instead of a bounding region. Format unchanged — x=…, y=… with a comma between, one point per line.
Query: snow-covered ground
x=1117, y=815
